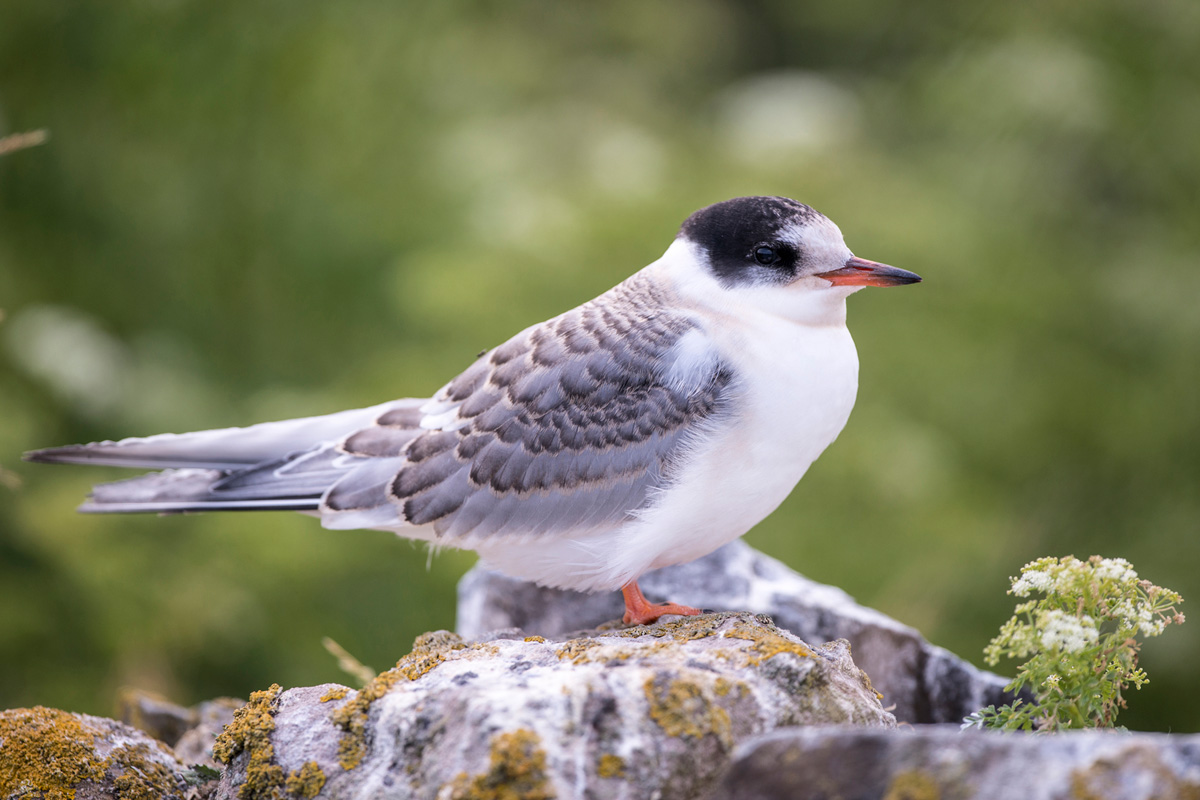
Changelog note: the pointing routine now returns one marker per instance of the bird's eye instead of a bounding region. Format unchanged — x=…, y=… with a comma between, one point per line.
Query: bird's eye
x=765, y=255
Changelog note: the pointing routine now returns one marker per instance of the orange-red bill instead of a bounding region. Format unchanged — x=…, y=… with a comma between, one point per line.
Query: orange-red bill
x=860, y=272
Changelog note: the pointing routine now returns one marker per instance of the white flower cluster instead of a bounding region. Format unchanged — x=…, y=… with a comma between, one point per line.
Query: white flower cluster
x=1061, y=576
x=1032, y=580
x=1115, y=568
x=1081, y=638
x=1136, y=615
x=1060, y=630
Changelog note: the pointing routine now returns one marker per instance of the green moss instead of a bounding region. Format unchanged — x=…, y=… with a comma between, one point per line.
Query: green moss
x=429, y=650
x=913, y=785
x=336, y=693
x=49, y=754
x=517, y=771
x=306, y=781
x=250, y=732
x=610, y=766
x=683, y=708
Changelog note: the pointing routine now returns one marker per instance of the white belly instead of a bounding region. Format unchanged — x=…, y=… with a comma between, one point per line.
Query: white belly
x=796, y=387
x=797, y=394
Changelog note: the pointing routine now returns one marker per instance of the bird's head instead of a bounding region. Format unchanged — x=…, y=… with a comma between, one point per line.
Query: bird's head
x=762, y=245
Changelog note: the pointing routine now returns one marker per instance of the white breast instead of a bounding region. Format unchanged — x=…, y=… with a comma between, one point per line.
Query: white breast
x=796, y=389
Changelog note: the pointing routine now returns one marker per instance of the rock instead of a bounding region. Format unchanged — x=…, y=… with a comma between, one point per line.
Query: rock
x=189, y=731
x=940, y=762
x=195, y=746
x=621, y=713
x=154, y=715
x=56, y=755
x=926, y=684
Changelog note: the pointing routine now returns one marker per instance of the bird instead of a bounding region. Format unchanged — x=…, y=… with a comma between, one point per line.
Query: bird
x=644, y=428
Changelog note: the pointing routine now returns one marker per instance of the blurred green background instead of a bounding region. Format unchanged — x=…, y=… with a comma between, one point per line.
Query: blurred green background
x=250, y=211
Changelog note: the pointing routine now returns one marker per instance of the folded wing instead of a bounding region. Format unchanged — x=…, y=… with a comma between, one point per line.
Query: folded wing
x=571, y=425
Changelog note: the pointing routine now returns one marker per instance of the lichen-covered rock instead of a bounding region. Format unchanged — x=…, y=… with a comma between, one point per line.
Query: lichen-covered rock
x=941, y=762
x=626, y=713
x=55, y=755
x=925, y=684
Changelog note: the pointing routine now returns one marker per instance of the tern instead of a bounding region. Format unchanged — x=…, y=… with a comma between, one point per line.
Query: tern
x=644, y=428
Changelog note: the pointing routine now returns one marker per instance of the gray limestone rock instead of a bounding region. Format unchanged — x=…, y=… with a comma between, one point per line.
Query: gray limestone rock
x=939, y=761
x=636, y=712
x=926, y=684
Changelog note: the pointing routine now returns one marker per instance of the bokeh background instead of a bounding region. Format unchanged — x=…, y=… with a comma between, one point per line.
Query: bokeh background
x=250, y=211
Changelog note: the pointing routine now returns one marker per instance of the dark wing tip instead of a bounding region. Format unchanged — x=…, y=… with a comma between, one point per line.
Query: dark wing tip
x=170, y=508
x=68, y=454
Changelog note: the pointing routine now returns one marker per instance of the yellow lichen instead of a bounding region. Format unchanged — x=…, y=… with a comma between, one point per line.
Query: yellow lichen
x=723, y=687
x=429, y=650
x=49, y=754
x=575, y=650
x=45, y=751
x=913, y=785
x=336, y=693
x=1143, y=766
x=586, y=651
x=681, y=630
x=517, y=771
x=610, y=766
x=250, y=732
x=768, y=642
x=306, y=781
x=538, y=639
x=683, y=708
x=144, y=778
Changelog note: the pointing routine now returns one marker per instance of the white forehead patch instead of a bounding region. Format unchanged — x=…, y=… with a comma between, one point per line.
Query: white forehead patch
x=820, y=243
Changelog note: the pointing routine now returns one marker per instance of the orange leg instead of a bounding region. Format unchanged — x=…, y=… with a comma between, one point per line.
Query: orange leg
x=640, y=611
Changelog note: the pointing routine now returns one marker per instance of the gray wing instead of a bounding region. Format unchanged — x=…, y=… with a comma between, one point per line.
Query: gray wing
x=570, y=425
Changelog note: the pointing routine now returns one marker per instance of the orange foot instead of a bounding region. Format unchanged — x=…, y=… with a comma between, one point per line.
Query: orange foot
x=640, y=611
